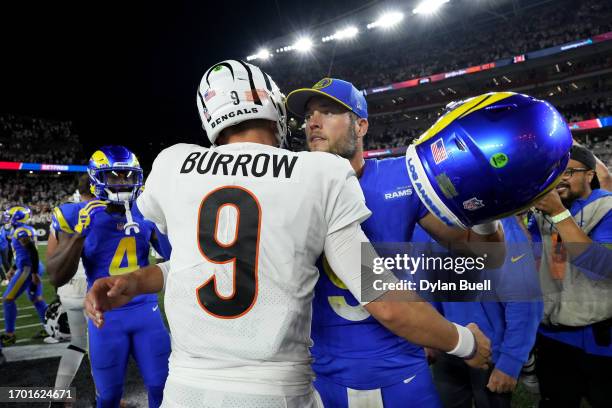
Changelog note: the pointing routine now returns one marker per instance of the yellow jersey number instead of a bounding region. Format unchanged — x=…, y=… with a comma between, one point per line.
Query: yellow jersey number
x=338, y=303
x=125, y=249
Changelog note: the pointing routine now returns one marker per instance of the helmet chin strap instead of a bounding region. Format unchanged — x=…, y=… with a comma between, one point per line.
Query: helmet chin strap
x=124, y=197
x=130, y=225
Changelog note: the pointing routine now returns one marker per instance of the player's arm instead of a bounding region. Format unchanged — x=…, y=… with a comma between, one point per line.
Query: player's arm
x=592, y=256
x=404, y=313
x=63, y=257
x=115, y=291
x=63, y=262
x=457, y=239
x=30, y=246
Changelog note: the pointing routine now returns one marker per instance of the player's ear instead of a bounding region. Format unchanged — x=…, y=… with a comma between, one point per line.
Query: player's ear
x=361, y=127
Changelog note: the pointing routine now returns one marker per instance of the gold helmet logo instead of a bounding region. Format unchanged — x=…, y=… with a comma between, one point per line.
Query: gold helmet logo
x=324, y=83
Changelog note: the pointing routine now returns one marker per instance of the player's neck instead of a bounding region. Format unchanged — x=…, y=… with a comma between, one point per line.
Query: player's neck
x=357, y=162
x=115, y=209
x=257, y=135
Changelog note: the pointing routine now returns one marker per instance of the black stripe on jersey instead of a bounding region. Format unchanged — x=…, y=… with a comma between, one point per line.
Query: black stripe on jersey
x=256, y=99
x=224, y=64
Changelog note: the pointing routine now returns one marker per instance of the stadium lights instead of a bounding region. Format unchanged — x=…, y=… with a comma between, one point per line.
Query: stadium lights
x=387, y=20
x=304, y=44
x=428, y=6
x=262, y=54
x=347, y=33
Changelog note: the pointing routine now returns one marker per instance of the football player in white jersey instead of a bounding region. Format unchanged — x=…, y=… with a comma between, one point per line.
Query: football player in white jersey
x=247, y=222
x=72, y=295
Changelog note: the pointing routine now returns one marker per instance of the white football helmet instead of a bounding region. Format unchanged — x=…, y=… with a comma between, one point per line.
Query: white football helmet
x=232, y=92
x=56, y=321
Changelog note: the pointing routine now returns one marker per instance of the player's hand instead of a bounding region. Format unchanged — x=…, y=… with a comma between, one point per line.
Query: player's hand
x=550, y=203
x=107, y=294
x=35, y=279
x=501, y=382
x=10, y=274
x=87, y=214
x=483, y=348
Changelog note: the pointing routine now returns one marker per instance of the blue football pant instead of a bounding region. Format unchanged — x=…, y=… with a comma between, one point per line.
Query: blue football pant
x=21, y=281
x=140, y=332
x=415, y=391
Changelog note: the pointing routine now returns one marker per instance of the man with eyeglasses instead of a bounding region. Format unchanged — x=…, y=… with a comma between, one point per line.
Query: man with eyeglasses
x=574, y=346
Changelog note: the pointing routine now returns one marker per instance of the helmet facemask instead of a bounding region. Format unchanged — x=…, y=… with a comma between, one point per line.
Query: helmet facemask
x=117, y=184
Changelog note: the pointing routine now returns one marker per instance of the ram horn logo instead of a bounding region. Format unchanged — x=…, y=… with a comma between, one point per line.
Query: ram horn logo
x=324, y=83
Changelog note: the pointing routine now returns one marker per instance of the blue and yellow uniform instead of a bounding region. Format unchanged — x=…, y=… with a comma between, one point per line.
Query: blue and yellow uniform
x=135, y=329
x=352, y=351
x=22, y=279
x=4, y=250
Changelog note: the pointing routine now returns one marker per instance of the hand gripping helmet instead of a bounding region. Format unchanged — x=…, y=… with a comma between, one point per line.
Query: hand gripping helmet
x=104, y=169
x=489, y=157
x=16, y=214
x=232, y=92
x=56, y=321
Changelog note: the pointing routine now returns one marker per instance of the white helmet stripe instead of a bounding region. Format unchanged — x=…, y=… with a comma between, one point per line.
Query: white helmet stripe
x=256, y=99
x=224, y=64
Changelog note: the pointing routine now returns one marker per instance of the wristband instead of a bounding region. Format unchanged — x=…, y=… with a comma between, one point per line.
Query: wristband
x=466, y=346
x=486, y=229
x=561, y=216
x=165, y=268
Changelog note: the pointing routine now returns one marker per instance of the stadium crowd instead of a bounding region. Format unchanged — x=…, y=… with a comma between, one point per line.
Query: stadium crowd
x=41, y=192
x=36, y=140
x=473, y=45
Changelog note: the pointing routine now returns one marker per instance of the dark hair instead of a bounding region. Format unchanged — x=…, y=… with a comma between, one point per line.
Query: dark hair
x=242, y=126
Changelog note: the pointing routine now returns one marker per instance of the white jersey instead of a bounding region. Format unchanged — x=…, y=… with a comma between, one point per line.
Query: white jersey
x=75, y=290
x=247, y=223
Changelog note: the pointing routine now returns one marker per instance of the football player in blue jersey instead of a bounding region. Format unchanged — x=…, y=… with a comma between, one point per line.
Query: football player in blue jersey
x=25, y=274
x=5, y=252
x=112, y=238
x=358, y=361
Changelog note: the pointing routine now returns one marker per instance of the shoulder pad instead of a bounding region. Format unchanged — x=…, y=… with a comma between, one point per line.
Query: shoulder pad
x=22, y=232
x=65, y=217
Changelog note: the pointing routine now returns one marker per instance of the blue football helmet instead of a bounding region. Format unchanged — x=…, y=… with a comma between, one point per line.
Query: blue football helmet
x=17, y=214
x=489, y=157
x=115, y=174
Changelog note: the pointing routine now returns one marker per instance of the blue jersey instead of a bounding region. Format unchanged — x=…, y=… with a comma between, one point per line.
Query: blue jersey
x=350, y=347
x=107, y=250
x=22, y=254
x=4, y=237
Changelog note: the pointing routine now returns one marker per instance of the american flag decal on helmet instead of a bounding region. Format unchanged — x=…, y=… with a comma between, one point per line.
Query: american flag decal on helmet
x=439, y=151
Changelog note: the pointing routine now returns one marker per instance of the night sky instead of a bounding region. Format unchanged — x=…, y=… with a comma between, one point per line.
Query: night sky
x=126, y=72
